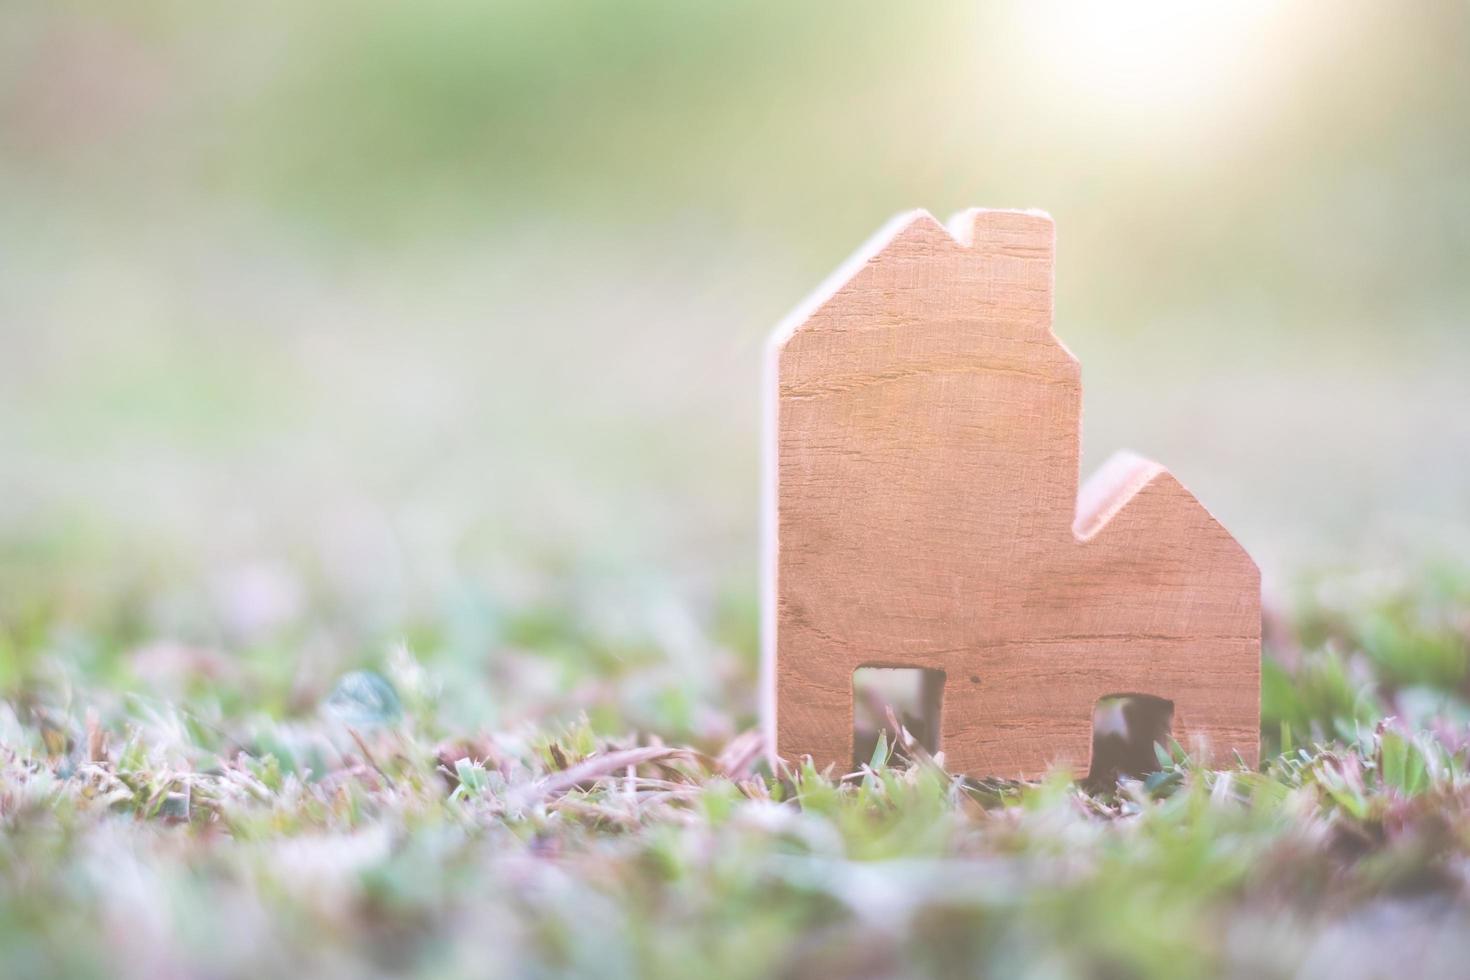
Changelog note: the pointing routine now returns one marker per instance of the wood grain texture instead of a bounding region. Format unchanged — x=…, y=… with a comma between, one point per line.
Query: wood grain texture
x=922, y=510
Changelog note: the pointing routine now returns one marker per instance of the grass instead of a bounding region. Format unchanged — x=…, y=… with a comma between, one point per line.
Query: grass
x=556, y=788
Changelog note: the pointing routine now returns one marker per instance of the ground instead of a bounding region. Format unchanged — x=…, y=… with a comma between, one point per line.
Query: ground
x=172, y=811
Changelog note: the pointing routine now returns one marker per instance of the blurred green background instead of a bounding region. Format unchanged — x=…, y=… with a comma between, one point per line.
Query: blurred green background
x=379, y=442
x=371, y=300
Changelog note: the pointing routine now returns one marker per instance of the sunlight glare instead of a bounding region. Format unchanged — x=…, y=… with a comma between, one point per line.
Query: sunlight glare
x=1151, y=58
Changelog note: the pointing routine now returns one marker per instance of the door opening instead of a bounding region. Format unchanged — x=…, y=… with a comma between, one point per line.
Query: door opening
x=913, y=695
x=1125, y=729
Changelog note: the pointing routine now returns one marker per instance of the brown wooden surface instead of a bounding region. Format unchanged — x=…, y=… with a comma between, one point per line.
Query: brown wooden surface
x=923, y=510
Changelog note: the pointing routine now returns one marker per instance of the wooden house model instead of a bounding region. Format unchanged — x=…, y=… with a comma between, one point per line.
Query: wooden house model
x=922, y=510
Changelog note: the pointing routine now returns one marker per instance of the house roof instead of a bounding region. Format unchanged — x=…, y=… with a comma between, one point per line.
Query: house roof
x=1005, y=230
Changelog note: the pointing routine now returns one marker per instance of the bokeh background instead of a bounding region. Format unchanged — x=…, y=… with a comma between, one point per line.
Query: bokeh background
x=379, y=449
x=401, y=310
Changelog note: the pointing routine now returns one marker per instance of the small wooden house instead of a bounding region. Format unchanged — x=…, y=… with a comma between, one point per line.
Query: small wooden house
x=923, y=511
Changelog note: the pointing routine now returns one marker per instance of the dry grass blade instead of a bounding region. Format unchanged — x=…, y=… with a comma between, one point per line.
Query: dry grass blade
x=738, y=759
x=910, y=746
x=595, y=768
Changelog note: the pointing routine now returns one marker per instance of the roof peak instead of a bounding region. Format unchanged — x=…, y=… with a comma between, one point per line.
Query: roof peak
x=993, y=232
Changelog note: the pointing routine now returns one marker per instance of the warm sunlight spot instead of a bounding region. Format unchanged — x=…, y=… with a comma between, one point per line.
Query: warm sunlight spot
x=1151, y=58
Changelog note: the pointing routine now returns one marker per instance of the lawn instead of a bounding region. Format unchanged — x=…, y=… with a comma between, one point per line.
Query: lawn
x=559, y=787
